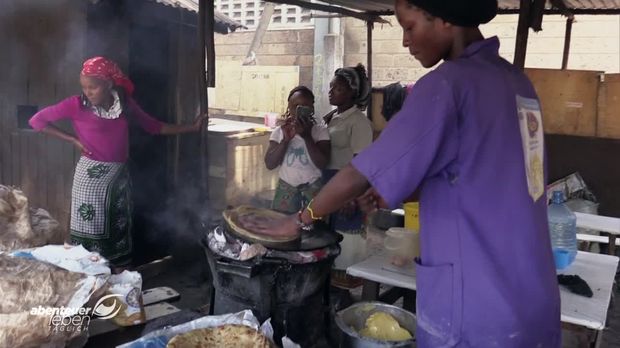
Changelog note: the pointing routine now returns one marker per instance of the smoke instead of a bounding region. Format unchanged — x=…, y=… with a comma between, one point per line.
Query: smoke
x=45, y=41
x=182, y=223
x=185, y=214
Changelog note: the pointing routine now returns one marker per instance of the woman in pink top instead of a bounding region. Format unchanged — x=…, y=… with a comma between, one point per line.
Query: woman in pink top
x=101, y=196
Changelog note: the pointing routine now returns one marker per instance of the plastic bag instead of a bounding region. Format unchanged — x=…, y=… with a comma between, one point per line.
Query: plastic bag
x=75, y=259
x=160, y=338
x=23, y=227
x=573, y=186
x=28, y=289
x=126, y=291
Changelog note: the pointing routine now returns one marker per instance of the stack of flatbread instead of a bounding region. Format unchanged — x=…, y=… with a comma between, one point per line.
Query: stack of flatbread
x=226, y=336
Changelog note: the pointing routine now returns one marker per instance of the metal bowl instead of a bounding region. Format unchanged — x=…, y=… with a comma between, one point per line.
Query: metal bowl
x=351, y=320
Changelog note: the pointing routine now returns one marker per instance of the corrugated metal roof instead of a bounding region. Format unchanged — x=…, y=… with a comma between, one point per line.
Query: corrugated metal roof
x=223, y=23
x=387, y=6
x=588, y=5
x=365, y=5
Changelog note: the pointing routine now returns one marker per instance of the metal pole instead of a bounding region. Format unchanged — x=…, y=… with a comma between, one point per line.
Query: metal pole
x=369, y=27
x=210, y=42
x=567, y=37
x=202, y=79
x=523, y=30
x=261, y=29
x=203, y=97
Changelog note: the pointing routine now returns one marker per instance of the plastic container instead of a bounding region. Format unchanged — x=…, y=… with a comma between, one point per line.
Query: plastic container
x=270, y=119
x=402, y=242
x=563, y=230
x=412, y=215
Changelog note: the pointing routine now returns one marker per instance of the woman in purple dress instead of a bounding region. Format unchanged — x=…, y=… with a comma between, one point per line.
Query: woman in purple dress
x=470, y=137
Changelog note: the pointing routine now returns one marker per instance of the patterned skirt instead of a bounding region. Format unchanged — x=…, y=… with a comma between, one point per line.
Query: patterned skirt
x=353, y=245
x=347, y=224
x=101, y=209
x=290, y=199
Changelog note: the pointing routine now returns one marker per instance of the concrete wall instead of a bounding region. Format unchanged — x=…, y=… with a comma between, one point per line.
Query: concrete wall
x=595, y=45
x=279, y=47
x=391, y=61
x=595, y=42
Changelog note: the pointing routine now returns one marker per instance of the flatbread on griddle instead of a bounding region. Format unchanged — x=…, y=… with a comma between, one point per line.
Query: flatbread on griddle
x=244, y=221
x=226, y=336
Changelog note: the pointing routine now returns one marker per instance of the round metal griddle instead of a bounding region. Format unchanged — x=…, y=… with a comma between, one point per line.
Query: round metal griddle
x=320, y=237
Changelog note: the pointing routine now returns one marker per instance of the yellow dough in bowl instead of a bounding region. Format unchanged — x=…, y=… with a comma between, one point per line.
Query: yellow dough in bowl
x=383, y=326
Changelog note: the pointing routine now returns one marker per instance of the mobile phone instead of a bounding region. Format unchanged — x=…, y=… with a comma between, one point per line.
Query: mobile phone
x=305, y=112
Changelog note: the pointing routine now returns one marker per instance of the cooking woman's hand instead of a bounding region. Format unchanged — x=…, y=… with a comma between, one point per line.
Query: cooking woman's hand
x=280, y=228
x=370, y=201
x=81, y=147
x=348, y=209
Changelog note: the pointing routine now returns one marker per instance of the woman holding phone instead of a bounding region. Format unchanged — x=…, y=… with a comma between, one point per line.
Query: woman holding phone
x=301, y=148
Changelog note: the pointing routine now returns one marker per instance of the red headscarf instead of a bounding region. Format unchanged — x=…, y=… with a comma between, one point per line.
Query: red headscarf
x=105, y=69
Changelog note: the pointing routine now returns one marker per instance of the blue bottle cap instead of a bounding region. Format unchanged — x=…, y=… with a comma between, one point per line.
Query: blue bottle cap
x=558, y=197
x=561, y=258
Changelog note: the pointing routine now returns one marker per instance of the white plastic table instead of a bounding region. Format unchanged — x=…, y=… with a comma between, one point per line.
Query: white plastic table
x=378, y=268
x=597, y=270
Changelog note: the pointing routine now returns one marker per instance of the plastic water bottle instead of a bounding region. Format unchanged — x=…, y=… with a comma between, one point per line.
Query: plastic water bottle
x=563, y=229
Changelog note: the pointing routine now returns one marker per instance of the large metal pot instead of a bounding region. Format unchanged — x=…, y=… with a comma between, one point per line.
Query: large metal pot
x=351, y=320
x=293, y=294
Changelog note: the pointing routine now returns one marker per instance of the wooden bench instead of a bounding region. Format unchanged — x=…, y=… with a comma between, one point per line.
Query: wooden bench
x=605, y=224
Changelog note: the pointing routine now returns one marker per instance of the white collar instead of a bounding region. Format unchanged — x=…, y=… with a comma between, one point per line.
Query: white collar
x=346, y=113
x=114, y=112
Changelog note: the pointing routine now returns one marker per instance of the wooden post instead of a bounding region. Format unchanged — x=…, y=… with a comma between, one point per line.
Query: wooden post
x=537, y=12
x=210, y=42
x=202, y=80
x=523, y=30
x=567, y=36
x=369, y=27
x=203, y=96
